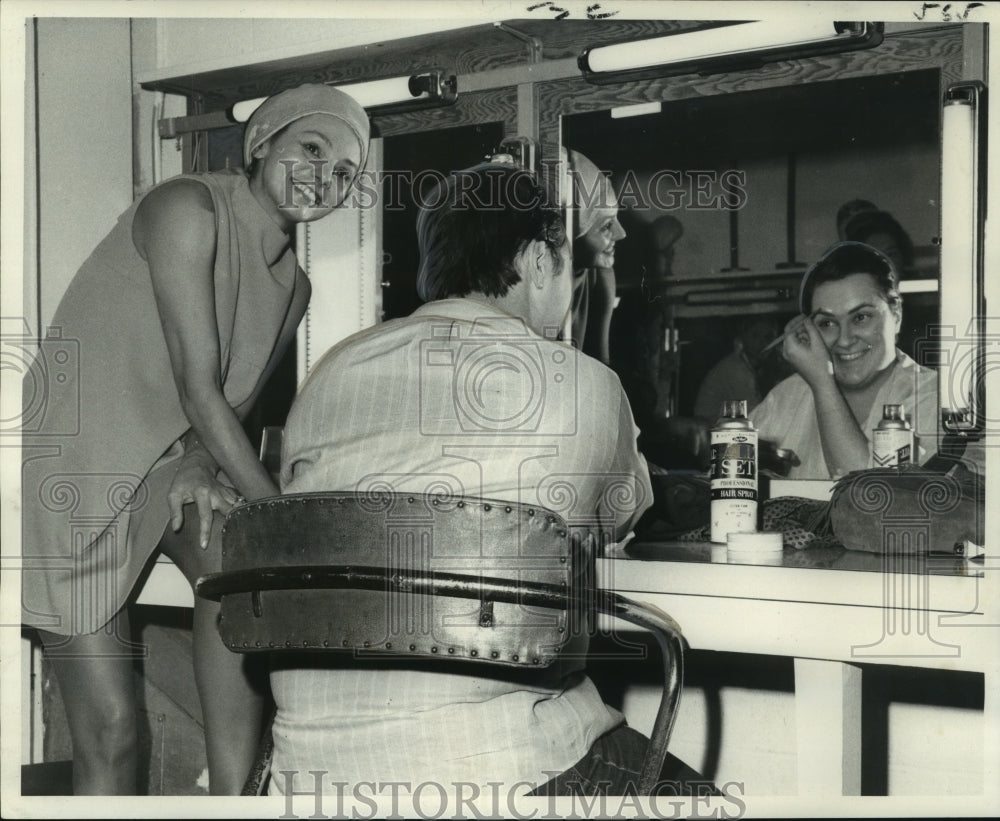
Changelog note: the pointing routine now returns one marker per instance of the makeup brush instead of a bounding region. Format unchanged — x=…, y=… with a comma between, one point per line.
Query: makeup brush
x=780, y=339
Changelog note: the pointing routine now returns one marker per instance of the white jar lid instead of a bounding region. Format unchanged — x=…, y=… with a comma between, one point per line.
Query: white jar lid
x=766, y=542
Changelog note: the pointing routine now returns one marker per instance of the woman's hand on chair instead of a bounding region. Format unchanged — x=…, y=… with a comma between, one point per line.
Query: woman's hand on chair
x=197, y=482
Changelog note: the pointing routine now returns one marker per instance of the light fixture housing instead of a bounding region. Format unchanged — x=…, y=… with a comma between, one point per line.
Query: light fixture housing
x=431, y=88
x=426, y=89
x=962, y=357
x=727, y=46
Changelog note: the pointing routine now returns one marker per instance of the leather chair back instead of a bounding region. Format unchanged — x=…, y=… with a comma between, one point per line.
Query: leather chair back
x=402, y=574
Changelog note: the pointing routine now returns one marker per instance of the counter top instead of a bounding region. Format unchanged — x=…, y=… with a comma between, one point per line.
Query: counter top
x=816, y=603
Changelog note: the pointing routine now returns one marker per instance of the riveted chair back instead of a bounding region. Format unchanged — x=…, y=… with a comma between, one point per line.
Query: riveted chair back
x=399, y=574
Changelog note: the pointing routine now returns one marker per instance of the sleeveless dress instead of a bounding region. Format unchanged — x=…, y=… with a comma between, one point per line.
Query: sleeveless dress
x=102, y=418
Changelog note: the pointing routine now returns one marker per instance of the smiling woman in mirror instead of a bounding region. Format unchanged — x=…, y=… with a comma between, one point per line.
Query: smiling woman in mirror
x=597, y=229
x=843, y=349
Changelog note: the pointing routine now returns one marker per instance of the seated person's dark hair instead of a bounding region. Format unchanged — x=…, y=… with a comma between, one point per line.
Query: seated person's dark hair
x=851, y=209
x=844, y=259
x=865, y=224
x=473, y=225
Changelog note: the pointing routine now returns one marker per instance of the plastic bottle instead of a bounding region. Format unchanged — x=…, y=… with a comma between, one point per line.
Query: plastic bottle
x=734, y=472
x=892, y=440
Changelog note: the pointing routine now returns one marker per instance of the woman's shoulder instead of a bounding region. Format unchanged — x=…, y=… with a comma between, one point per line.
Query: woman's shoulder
x=197, y=190
x=183, y=205
x=791, y=388
x=790, y=394
x=178, y=196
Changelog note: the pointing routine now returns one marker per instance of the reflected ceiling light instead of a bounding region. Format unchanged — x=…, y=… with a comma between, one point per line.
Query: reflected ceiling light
x=392, y=94
x=962, y=287
x=637, y=110
x=724, y=47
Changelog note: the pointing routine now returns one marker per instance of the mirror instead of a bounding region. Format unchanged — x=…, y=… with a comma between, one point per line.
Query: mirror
x=742, y=191
x=726, y=199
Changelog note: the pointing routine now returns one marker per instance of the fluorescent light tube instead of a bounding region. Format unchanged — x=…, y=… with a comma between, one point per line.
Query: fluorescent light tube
x=373, y=94
x=718, y=47
x=959, y=253
x=705, y=44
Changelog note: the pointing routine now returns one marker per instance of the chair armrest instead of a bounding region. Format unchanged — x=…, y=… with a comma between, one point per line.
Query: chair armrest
x=671, y=641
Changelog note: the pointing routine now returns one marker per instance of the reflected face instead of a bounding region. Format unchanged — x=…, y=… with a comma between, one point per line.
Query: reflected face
x=596, y=248
x=305, y=171
x=859, y=328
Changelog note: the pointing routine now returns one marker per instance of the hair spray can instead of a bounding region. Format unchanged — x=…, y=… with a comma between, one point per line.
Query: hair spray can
x=892, y=440
x=734, y=472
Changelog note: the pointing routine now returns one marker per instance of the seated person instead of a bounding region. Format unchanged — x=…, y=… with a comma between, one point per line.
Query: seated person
x=847, y=211
x=735, y=376
x=390, y=408
x=843, y=349
x=880, y=230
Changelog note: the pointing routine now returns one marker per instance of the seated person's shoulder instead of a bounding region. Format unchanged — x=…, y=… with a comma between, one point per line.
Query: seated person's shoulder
x=596, y=372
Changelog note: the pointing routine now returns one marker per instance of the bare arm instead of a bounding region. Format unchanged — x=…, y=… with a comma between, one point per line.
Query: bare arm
x=596, y=341
x=300, y=299
x=845, y=447
x=174, y=230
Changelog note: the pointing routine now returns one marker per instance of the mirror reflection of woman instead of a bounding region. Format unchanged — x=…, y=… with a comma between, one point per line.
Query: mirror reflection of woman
x=181, y=314
x=596, y=230
x=843, y=349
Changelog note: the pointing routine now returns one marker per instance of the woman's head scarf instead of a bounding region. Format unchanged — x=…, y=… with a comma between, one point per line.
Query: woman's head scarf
x=286, y=107
x=593, y=195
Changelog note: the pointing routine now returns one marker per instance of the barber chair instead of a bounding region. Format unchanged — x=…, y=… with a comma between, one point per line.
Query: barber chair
x=472, y=580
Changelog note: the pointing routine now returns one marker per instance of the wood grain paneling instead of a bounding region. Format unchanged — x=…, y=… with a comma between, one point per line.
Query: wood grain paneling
x=497, y=105
x=485, y=48
x=464, y=51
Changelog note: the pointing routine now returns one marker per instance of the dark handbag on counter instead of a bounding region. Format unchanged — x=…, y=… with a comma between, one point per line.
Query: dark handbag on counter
x=681, y=503
x=909, y=509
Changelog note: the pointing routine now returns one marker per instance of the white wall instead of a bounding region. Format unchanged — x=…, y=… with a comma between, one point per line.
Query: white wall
x=186, y=45
x=84, y=132
x=933, y=750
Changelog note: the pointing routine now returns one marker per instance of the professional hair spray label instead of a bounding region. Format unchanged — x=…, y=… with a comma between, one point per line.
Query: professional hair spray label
x=892, y=439
x=734, y=473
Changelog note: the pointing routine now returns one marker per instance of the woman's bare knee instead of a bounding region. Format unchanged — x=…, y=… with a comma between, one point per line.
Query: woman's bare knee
x=96, y=681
